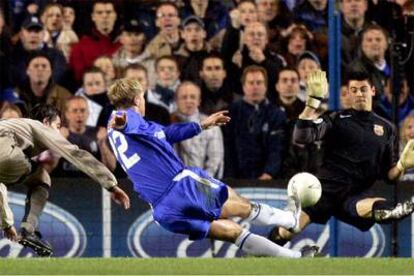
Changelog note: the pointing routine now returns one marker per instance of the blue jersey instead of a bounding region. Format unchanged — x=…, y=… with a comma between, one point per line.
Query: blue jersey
x=144, y=150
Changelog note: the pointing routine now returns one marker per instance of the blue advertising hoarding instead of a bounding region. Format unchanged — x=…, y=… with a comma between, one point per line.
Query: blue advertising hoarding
x=75, y=217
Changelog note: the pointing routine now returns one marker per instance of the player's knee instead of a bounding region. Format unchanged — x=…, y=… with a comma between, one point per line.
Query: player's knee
x=234, y=232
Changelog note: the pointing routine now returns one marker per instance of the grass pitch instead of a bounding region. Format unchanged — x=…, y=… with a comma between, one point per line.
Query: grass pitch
x=241, y=266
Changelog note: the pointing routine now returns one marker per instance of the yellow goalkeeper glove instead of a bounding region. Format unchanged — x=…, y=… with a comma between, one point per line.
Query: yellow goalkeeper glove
x=407, y=157
x=317, y=87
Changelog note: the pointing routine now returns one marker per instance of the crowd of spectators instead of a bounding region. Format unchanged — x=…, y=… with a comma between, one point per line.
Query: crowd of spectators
x=193, y=58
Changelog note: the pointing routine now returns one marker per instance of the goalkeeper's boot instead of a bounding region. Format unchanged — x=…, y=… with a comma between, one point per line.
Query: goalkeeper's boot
x=400, y=211
x=294, y=205
x=33, y=241
x=310, y=251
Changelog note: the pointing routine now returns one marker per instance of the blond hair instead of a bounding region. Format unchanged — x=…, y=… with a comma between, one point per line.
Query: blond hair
x=122, y=92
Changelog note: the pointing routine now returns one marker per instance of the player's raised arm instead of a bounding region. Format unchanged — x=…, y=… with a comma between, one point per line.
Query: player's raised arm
x=317, y=88
x=309, y=128
x=181, y=131
x=219, y=118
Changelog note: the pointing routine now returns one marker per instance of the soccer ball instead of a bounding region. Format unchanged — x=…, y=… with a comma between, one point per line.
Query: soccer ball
x=307, y=187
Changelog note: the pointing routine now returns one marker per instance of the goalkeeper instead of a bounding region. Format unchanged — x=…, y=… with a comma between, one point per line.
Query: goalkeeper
x=359, y=150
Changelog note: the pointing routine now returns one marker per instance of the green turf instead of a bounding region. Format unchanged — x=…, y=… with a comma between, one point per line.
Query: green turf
x=124, y=266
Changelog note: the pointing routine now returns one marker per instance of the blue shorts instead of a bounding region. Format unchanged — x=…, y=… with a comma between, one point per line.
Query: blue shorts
x=190, y=206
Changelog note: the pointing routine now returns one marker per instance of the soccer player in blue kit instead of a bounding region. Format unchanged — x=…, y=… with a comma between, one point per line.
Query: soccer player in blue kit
x=185, y=199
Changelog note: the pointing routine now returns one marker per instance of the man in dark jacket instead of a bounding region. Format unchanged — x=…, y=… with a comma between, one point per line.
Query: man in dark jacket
x=255, y=136
x=31, y=39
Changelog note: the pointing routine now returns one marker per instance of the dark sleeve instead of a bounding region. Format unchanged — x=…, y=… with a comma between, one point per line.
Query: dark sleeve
x=275, y=142
x=391, y=155
x=60, y=66
x=308, y=131
x=104, y=116
x=230, y=44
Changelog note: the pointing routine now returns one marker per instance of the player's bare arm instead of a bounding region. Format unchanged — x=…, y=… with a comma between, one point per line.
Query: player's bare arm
x=216, y=119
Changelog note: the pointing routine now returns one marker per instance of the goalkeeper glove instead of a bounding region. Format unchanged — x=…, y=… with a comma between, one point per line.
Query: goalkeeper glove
x=407, y=157
x=317, y=86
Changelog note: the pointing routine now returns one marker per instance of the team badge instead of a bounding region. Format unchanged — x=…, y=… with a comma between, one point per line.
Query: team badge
x=378, y=130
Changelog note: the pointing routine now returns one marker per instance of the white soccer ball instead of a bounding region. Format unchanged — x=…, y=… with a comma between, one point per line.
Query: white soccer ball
x=307, y=186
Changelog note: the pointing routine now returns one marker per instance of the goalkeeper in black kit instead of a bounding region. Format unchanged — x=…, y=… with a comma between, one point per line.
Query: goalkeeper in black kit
x=359, y=149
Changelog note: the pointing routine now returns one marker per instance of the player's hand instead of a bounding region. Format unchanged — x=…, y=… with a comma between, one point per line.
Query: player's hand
x=11, y=233
x=118, y=121
x=216, y=119
x=317, y=87
x=235, y=18
x=120, y=197
x=407, y=157
x=237, y=58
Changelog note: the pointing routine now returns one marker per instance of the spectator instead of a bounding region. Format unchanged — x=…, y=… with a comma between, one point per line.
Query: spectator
x=296, y=40
x=345, y=97
x=57, y=34
x=256, y=134
x=31, y=39
x=244, y=14
x=153, y=112
x=213, y=14
x=9, y=111
x=94, y=90
x=287, y=88
x=100, y=42
x=372, y=59
x=405, y=105
x=276, y=16
x=167, y=41
x=308, y=62
x=216, y=90
x=86, y=137
x=256, y=52
x=353, y=22
x=5, y=50
x=107, y=67
x=193, y=50
x=168, y=79
x=312, y=13
x=205, y=150
x=69, y=16
x=132, y=51
x=39, y=86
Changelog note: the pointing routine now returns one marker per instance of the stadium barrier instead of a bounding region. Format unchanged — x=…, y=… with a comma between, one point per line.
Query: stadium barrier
x=80, y=220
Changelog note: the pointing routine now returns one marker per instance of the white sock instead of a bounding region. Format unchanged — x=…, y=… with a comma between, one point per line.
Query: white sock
x=263, y=214
x=257, y=245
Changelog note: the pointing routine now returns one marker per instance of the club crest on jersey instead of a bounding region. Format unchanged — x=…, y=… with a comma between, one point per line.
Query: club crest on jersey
x=378, y=130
